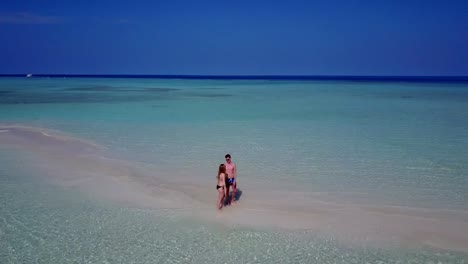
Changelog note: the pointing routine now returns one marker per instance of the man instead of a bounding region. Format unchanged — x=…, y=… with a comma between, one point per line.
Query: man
x=231, y=171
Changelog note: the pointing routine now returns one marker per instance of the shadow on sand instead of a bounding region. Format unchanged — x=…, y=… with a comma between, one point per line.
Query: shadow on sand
x=238, y=195
x=236, y=198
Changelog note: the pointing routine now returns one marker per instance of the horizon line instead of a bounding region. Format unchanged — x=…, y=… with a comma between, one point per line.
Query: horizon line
x=456, y=78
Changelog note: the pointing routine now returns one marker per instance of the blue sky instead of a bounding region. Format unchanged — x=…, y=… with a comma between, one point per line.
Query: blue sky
x=235, y=37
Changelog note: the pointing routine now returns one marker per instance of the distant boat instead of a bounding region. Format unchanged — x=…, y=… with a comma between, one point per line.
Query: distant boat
x=29, y=75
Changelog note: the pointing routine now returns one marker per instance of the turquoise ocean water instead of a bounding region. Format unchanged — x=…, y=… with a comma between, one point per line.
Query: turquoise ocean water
x=391, y=145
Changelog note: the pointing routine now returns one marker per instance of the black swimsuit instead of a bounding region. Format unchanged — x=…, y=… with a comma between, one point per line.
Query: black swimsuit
x=217, y=187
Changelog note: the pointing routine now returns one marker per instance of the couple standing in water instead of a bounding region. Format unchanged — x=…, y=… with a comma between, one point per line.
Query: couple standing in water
x=227, y=173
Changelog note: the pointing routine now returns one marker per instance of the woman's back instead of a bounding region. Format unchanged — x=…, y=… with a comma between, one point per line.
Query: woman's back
x=221, y=179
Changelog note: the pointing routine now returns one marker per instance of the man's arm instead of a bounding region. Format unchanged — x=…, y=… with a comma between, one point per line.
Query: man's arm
x=234, y=170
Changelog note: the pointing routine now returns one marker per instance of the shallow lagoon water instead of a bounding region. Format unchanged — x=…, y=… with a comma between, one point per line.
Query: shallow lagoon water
x=357, y=144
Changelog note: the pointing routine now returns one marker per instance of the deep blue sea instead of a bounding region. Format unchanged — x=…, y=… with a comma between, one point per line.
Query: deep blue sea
x=121, y=169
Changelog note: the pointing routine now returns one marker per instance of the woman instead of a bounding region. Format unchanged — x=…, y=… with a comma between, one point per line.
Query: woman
x=221, y=184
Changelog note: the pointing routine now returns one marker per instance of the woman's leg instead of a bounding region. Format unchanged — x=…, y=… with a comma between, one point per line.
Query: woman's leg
x=220, y=197
x=227, y=195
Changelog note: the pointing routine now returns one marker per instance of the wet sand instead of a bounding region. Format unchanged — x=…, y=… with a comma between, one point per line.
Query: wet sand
x=93, y=169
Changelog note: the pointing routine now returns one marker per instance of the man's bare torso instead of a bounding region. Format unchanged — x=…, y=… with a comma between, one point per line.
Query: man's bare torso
x=230, y=169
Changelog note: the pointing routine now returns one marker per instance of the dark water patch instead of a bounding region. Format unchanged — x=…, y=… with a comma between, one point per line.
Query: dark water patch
x=61, y=97
x=407, y=97
x=160, y=90
x=211, y=88
x=158, y=106
x=99, y=88
x=208, y=95
x=434, y=95
x=102, y=88
x=6, y=92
